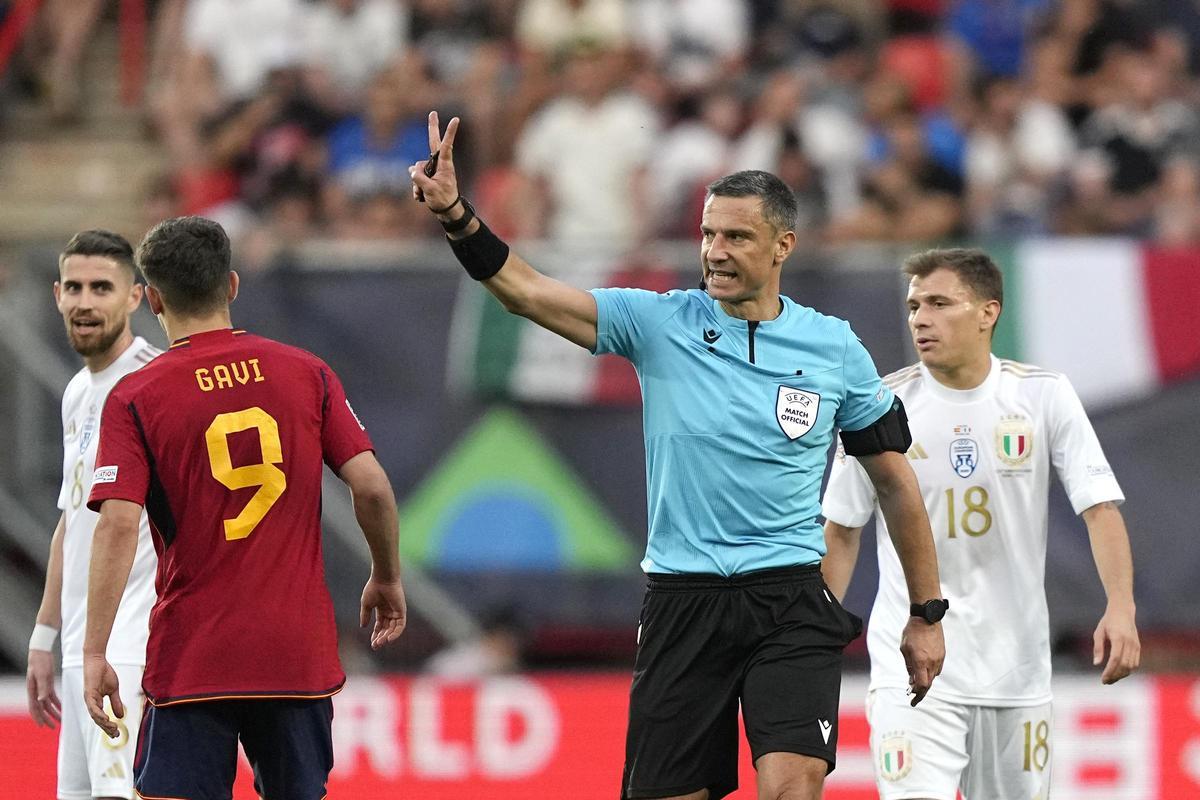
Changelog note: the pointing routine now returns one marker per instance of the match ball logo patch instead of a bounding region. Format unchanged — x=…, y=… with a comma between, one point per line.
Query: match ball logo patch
x=895, y=757
x=796, y=411
x=1014, y=440
x=105, y=475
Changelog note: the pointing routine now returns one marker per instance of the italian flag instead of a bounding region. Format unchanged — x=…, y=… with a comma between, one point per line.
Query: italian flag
x=1119, y=318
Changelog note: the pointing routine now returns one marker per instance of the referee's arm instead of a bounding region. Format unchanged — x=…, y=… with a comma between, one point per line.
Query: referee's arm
x=922, y=644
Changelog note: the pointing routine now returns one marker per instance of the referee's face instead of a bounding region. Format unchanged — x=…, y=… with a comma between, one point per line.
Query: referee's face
x=741, y=252
x=950, y=326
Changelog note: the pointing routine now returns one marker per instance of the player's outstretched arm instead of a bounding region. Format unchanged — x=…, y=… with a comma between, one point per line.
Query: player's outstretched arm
x=841, y=554
x=44, y=705
x=922, y=644
x=375, y=509
x=114, y=545
x=1117, y=631
x=562, y=309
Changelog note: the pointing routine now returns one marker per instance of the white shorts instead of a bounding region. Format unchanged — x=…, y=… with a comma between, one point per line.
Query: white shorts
x=938, y=748
x=89, y=763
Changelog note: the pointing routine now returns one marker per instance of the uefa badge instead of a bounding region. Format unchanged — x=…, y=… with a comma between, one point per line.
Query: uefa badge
x=1014, y=440
x=895, y=757
x=964, y=457
x=796, y=411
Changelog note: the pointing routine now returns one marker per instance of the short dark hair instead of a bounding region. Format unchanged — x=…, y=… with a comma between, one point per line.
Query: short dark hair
x=778, y=201
x=974, y=268
x=187, y=259
x=98, y=242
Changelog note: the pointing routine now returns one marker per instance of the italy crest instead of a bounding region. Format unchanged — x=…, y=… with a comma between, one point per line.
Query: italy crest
x=1014, y=440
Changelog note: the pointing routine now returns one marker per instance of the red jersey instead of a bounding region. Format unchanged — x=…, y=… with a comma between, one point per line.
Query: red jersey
x=222, y=440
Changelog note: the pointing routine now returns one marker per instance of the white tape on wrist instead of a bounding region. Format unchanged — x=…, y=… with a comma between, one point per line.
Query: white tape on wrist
x=43, y=637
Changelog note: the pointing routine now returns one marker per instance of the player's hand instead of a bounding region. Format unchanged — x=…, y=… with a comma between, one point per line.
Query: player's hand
x=386, y=599
x=44, y=705
x=100, y=682
x=924, y=650
x=441, y=188
x=1118, y=632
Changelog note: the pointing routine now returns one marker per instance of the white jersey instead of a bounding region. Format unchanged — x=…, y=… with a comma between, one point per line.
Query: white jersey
x=983, y=459
x=82, y=405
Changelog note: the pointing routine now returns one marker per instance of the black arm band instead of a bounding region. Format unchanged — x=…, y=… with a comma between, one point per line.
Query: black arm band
x=482, y=253
x=889, y=432
x=454, y=226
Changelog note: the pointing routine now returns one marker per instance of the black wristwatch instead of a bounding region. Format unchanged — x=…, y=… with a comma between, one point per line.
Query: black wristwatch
x=931, y=610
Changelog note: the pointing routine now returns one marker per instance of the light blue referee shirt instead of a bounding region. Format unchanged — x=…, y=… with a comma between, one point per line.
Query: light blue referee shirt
x=738, y=417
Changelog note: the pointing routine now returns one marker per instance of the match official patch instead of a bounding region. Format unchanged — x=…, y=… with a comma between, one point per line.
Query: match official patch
x=796, y=411
x=105, y=475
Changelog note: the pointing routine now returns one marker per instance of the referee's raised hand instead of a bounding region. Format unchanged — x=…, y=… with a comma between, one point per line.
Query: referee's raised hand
x=433, y=179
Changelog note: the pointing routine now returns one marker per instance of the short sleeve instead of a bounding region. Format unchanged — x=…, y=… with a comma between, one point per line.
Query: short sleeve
x=867, y=399
x=850, y=496
x=343, y=435
x=626, y=317
x=1076, y=453
x=122, y=464
x=64, y=489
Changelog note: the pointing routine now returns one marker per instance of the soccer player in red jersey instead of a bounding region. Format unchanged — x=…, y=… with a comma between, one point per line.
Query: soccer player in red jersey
x=222, y=441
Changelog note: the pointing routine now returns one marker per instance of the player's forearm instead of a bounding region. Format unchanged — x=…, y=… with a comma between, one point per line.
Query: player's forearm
x=900, y=501
x=376, y=514
x=1110, y=549
x=909, y=526
x=114, y=546
x=841, y=554
x=50, y=611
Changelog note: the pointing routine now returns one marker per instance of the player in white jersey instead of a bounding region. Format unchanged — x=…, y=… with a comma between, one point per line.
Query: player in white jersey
x=986, y=434
x=96, y=294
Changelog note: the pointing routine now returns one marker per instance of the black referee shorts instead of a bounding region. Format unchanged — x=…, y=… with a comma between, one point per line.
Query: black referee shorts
x=771, y=639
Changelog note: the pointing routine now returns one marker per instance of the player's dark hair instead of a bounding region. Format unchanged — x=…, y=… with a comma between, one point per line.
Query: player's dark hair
x=100, y=243
x=973, y=267
x=778, y=201
x=187, y=259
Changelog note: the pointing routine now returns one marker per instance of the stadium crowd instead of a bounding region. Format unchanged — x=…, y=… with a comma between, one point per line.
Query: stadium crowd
x=603, y=119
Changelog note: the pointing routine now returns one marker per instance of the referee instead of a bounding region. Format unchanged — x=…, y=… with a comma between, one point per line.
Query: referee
x=742, y=391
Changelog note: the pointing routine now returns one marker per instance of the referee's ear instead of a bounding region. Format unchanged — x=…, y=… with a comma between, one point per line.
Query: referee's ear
x=785, y=243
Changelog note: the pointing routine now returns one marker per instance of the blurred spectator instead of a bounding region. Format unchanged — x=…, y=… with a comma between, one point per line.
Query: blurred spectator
x=346, y=42
x=1128, y=145
x=694, y=42
x=995, y=34
x=695, y=151
x=370, y=153
x=788, y=31
x=72, y=22
x=549, y=27
x=498, y=650
x=230, y=49
x=584, y=155
x=1016, y=153
x=909, y=197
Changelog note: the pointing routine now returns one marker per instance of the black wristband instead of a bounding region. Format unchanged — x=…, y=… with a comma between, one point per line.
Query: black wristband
x=456, y=225
x=482, y=253
x=447, y=208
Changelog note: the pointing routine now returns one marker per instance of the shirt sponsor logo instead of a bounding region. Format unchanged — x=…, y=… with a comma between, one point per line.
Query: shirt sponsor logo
x=895, y=757
x=796, y=411
x=1014, y=440
x=105, y=475
x=964, y=457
